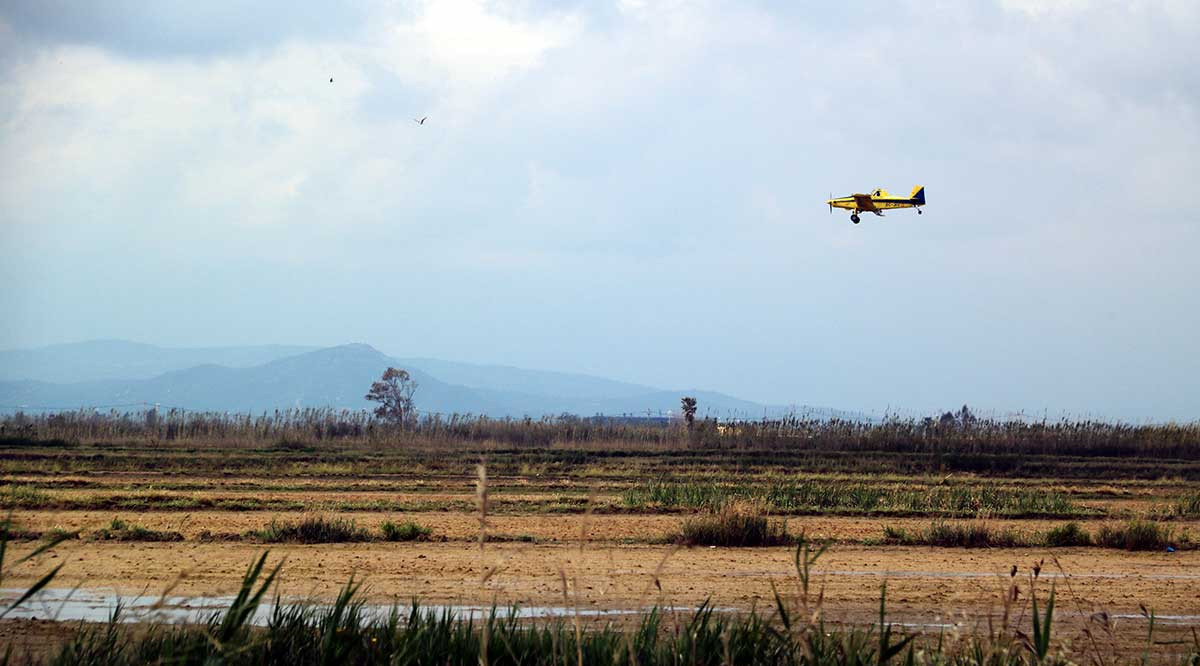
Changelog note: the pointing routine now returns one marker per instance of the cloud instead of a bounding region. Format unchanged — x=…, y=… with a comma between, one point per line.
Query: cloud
x=627, y=170
x=180, y=28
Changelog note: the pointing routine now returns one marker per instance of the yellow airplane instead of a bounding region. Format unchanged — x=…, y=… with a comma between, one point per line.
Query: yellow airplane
x=877, y=201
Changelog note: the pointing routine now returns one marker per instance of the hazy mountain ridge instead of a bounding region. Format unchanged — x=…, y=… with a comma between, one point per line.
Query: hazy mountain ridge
x=531, y=382
x=336, y=377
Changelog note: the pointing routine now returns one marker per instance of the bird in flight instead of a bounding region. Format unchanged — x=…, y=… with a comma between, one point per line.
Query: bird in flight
x=421, y=121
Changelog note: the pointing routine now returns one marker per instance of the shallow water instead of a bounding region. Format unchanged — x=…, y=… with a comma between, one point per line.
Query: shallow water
x=1172, y=620
x=97, y=606
x=93, y=605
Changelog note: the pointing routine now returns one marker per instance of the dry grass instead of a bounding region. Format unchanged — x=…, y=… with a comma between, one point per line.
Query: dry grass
x=312, y=529
x=1136, y=535
x=327, y=429
x=737, y=524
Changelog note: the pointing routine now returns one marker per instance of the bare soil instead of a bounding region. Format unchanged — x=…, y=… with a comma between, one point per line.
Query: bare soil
x=607, y=561
x=924, y=584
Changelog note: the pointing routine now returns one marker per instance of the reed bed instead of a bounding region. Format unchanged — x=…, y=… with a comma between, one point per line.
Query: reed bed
x=303, y=429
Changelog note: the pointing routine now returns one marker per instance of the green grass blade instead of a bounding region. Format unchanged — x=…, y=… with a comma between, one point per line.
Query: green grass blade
x=43, y=582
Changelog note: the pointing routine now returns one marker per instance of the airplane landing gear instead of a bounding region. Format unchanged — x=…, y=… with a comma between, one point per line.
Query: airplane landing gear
x=854, y=218
x=918, y=211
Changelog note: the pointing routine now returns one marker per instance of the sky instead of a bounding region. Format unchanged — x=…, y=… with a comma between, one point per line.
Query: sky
x=627, y=188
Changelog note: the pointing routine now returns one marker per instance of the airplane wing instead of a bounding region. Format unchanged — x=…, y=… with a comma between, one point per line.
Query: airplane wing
x=863, y=201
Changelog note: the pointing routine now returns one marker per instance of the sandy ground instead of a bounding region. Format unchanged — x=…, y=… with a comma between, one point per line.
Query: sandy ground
x=924, y=584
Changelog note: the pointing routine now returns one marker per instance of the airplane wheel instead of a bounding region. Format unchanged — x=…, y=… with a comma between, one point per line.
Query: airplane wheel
x=854, y=219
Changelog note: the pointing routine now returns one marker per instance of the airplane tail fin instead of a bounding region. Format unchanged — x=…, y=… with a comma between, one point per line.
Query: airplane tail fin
x=918, y=195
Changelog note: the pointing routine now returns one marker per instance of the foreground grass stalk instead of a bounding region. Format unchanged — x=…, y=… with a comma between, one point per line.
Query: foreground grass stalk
x=5, y=528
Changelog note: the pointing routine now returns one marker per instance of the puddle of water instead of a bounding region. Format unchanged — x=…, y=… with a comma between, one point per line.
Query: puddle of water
x=1173, y=620
x=98, y=606
x=923, y=625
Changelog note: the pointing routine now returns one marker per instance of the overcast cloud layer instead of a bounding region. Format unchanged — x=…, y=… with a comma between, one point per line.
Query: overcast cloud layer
x=630, y=189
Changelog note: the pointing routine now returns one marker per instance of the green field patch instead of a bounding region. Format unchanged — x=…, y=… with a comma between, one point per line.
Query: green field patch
x=406, y=531
x=804, y=497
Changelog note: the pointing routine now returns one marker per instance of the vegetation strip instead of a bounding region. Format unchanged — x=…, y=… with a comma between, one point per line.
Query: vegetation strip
x=1133, y=535
x=800, y=497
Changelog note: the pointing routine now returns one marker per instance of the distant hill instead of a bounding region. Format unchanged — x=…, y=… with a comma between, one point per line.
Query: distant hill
x=227, y=379
x=532, y=382
x=334, y=377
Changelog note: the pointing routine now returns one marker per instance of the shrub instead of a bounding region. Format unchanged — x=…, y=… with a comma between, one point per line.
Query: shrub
x=516, y=538
x=408, y=531
x=312, y=529
x=959, y=535
x=1187, y=506
x=119, y=530
x=736, y=524
x=896, y=536
x=58, y=533
x=1135, y=535
x=1068, y=534
x=971, y=535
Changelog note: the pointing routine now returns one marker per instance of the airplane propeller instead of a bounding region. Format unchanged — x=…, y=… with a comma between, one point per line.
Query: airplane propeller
x=830, y=202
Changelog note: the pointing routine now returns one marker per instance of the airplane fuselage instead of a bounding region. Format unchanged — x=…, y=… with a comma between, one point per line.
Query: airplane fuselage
x=878, y=201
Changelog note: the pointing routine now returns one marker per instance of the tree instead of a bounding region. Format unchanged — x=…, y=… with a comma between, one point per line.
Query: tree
x=965, y=416
x=394, y=393
x=688, y=405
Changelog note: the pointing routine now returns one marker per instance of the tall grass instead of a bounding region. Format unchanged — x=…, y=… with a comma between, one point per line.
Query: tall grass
x=736, y=524
x=1185, y=506
x=948, y=535
x=307, y=429
x=6, y=569
x=1136, y=535
x=406, y=531
x=312, y=529
x=845, y=497
x=1067, y=534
